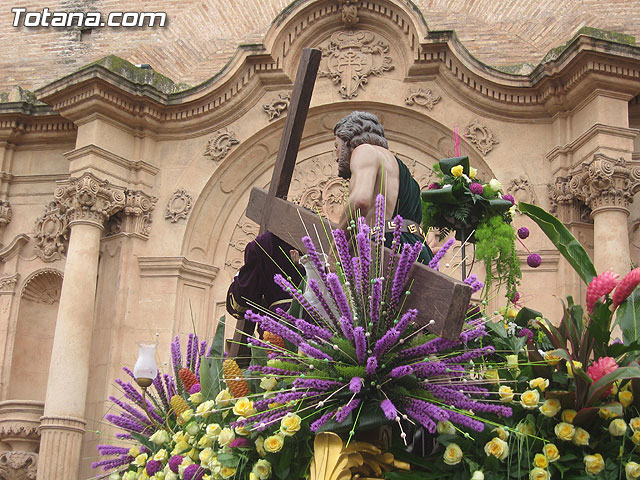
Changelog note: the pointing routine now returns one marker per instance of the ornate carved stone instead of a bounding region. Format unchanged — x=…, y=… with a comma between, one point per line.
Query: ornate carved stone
x=88, y=199
x=18, y=465
x=179, y=205
x=220, y=145
x=277, y=106
x=521, y=190
x=351, y=57
x=565, y=205
x=8, y=283
x=19, y=422
x=422, y=97
x=481, y=137
x=51, y=233
x=244, y=232
x=349, y=11
x=43, y=286
x=135, y=217
x=5, y=213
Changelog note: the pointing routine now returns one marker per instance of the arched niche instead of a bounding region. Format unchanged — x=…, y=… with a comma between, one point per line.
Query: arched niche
x=35, y=326
x=218, y=231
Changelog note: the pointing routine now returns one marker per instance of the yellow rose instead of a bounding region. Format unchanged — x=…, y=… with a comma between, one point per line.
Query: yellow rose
x=551, y=452
x=606, y=413
x=260, y=446
x=512, y=361
x=160, y=437
x=223, y=398
x=570, y=370
x=226, y=437
x=617, y=427
x=634, y=423
x=477, y=475
x=290, y=424
x=496, y=447
x=187, y=415
x=242, y=431
x=205, y=408
x=193, y=454
x=551, y=358
x=452, y=454
x=539, y=474
x=541, y=383
x=244, y=407
x=593, y=464
x=268, y=383
x=492, y=376
x=581, y=437
x=512, y=313
x=568, y=415
x=445, y=428
x=635, y=438
x=141, y=460
x=529, y=399
x=227, y=472
x=130, y=476
x=206, y=456
x=565, y=431
x=205, y=442
x=550, y=407
x=181, y=446
x=196, y=398
x=473, y=172
x=626, y=398
x=262, y=469
x=134, y=452
x=252, y=476
x=457, y=171
x=192, y=428
x=495, y=185
x=506, y=394
x=161, y=456
x=274, y=443
x=502, y=433
x=632, y=469
x=213, y=430
x=540, y=460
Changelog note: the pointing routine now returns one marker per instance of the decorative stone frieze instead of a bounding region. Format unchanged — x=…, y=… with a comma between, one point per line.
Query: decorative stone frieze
x=351, y=57
x=88, y=199
x=8, y=283
x=179, y=205
x=135, y=216
x=349, y=12
x=422, y=97
x=18, y=465
x=481, y=137
x=51, y=233
x=521, y=190
x=5, y=213
x=220, y=145
x=277, y=106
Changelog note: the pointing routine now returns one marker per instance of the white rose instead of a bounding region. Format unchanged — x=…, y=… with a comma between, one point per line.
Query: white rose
x=495, y=185
x=477, y=475
x=268, y=383
x=226, y=437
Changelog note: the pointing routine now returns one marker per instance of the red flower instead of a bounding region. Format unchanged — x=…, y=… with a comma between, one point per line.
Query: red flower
x=626, y=286
x=601, y=367
x=599, y=287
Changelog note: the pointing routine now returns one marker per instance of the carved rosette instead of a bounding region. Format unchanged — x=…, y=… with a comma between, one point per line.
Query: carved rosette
x=422, y=97
x=179, y=205
x=87, y=199
x=277, y=106
x=135, y=217
x=51, y=233
x=5, y=213
x=18, y=465
x=8, y=283
x=481, y=137
x=220, y=145
x=351, y=57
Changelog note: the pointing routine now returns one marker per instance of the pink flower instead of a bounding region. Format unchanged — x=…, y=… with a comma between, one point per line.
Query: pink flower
x=626, y=286
x=601, y=367
x=599, y=287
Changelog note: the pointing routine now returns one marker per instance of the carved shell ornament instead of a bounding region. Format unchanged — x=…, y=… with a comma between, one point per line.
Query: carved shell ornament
x=481, y=137
x=220, y=145
x=351, y=57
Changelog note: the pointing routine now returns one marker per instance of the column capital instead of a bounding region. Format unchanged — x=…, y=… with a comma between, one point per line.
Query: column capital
x=87, y=199
x=135, y=216
x=605, y=183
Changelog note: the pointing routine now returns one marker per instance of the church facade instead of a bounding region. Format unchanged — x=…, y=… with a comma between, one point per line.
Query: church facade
x=122, y=195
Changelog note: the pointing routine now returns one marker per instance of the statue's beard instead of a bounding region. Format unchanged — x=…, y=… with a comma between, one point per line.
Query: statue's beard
x=344, y=163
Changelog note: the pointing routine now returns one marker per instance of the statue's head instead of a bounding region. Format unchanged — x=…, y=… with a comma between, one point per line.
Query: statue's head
x=353, y=130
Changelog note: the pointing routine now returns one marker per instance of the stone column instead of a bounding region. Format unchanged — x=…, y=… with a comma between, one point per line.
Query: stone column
x=87, y=202
x=607, y=186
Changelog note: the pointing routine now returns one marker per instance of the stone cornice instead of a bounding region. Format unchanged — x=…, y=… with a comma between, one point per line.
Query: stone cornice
x=23, y=123
x=179, y=267
x=14, y=247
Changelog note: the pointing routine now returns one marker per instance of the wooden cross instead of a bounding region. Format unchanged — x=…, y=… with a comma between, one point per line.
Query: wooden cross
x=437, y=297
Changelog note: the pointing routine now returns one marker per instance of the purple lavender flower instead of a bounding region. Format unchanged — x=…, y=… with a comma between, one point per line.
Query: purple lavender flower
x=111, y=463
x=510, y=198
x=313, y=352
x=342, y=246
x=376, y=298
x=347, y=409
x=386, y=342
x=112, y=450
x=153, y=467
x=355, y=385
x=174, y=462
x=523, y=232
x=534, y=260
x=311, y=331
x=389, y=409
x=315, y=426
x=158, y=385
x=401, y=371
x=271, y=325
x=315, y=288
x=189, y=350
x=293, y=291
x=338, y=295
x=364, y=248
x=361, y=344
x=372, y=365
x=475, y=284
x=397, y=230
x=316, y=383
x=435, y=261
x=476, y=188
x=315, y=257
x=379, y=220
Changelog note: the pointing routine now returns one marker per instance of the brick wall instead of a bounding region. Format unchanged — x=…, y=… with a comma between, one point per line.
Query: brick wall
x=202, y=35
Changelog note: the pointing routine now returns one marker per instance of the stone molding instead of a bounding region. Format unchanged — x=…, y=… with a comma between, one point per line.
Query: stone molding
x=16, y=465
x=14, y=247
x=19, y=423
x=178, y=267
x=220, y=145
x=351, y=57
x=5, y=213
x=277, y=106
x=424, y=98
x=51, y=233
x=8, y=283
x=179, y=205
x=87, y=199
x=135, y=216
x=60, y=422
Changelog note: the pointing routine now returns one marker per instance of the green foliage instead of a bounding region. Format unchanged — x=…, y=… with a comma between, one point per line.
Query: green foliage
x=628, y=317
x=495, y=246
x=350, y=371
x=563, y=240
x=211, y=366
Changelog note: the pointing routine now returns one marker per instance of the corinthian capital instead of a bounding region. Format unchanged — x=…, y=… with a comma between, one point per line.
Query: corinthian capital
x=88, y=199
x=606, y=182
x=135, y=216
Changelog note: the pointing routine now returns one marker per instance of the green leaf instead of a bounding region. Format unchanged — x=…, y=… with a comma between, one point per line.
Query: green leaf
x=525, y=314
x=597, y=388
x=564, y=241
x=211, y=367
x=446, y=164
x=228, y=459
x=628, y=317
x=440, y=195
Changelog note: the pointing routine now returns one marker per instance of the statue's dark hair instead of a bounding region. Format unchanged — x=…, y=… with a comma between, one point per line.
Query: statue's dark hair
x=359, y=128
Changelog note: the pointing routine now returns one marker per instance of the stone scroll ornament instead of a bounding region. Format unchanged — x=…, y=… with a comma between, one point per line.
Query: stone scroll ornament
x=422, y=97
x=51, y=234
x=220, y=145
x=277, y=106
x=351, y=57
x=179, y=205
x=481, y=137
